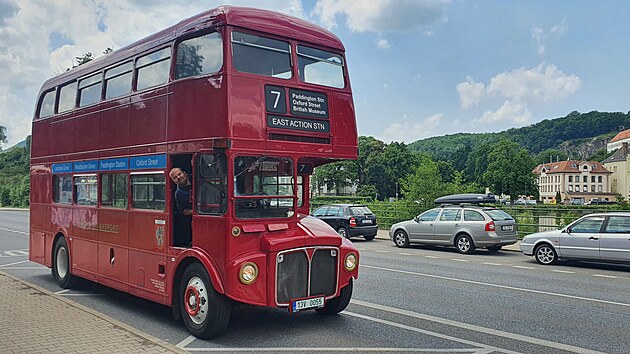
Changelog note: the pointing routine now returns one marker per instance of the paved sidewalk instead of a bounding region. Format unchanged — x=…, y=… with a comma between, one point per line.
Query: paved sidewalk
x=384, y=235
x=34, y=320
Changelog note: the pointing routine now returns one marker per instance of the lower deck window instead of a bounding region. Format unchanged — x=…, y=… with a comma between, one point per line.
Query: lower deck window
x=85, y=188
x=62, y=189
x=148, y=191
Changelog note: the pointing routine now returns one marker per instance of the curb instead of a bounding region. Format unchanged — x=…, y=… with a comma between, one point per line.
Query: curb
x=135, y=331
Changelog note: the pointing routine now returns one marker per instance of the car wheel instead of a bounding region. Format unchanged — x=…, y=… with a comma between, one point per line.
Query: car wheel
x=61, y=264
x=206, y=313
x=338, y=304
x=343, y=232
x=464, y=244
x=545, y=254
x=401, y=239
x=494, y=249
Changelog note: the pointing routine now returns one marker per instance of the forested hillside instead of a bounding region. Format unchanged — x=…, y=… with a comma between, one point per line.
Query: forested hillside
x=536, y=138
x=14, y=176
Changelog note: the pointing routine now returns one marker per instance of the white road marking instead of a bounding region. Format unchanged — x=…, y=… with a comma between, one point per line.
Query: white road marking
x=605, y=276
x=434, y=257
x=187, y=341
x=15, y=253
x=14, y=263
x=433, y=334
x=405, y=254
x=60, y=292
x=381, y=251
x=562, y=271
x=524, y=267
x=494, y=264
x=14, y=231
x=499, y=286
x=459, y=260
x=23, y=268
x=472, y=327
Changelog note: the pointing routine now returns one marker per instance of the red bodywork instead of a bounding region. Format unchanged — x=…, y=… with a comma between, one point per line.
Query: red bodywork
x=187, y=116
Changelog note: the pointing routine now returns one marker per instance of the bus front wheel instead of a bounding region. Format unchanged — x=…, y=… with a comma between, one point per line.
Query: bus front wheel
x=205, y=312
x=61, y=264
x=338, y=304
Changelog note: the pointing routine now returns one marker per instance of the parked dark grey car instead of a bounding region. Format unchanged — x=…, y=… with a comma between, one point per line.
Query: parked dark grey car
x=349, y=220
x=464, y=226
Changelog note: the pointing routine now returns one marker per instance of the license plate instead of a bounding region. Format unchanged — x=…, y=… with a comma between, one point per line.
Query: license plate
x=367, y=221
x=304, y=304
x=507, y=227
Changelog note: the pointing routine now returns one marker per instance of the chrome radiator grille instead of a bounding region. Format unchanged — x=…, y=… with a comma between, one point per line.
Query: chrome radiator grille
x=297, y=276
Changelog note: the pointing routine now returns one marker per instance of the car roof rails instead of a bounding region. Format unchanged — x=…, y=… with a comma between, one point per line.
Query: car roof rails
x=463, y=199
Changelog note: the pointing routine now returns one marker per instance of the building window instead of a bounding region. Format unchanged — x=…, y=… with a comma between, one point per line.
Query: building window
x=570, y=188
x=585, y=189
x=593, y=179
x=570, y=178
x=593, y=188
x=600, y=189
x=577, y=188
x=599, y=179
x=584, y=178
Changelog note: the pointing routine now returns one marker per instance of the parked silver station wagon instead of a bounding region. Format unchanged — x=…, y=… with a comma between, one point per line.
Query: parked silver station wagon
x=594, y=237
x=464, y=226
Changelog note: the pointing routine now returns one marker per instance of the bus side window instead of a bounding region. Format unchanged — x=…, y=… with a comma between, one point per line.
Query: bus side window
x=148, y=191
x=114, y=190
x=62, y=189
x=152, y=69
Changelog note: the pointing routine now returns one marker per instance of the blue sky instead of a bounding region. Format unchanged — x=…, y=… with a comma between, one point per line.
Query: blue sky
x=418, y=68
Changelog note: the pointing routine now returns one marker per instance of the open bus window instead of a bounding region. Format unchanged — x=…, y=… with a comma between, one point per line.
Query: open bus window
x=199, y=55
x=261, y=55
x=62, y=189
x=211, y=184
x=114, y=190
x=148, y=191
x=320, y=67
x=85, y=189
x=263, y=187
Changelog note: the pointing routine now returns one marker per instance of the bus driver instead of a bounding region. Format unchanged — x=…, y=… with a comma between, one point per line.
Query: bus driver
x=182, y=194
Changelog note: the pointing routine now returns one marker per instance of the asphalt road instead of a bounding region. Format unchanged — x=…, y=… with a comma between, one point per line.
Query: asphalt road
x=427, y=299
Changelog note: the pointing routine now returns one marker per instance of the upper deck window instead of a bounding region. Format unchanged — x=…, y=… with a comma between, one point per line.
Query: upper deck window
x=47, y=108
x=320, y=67
x=118, y=81
x=261, y=55
x=67, y=97
x=90, y=90
x=199, y=55
x=153, y=69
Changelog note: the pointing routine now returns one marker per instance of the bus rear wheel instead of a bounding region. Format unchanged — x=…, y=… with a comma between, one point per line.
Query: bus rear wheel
x=338, y=304
x=61, y=264
x=205, y=312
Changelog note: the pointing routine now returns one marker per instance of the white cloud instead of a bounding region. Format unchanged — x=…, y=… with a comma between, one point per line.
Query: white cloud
x=380, y=16
x=470, y=92
x=382, y=43
x=89, y=26
x=509, y=112
x=518, y=88
x=409, y=132
x=541, y=36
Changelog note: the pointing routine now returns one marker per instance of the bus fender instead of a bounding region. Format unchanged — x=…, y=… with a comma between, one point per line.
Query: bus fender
x=193, y=254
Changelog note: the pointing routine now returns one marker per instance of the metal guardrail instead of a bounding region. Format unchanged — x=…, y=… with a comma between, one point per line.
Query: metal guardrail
x=529, y=219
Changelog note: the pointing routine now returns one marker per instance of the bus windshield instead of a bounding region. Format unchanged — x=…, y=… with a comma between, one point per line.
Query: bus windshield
x=263, y=187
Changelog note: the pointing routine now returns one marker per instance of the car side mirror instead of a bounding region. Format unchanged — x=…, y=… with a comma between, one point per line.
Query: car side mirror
x=566, y=231
x=416, y=219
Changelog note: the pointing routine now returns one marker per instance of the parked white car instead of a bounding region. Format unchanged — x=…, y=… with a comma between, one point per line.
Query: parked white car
x=595, y=237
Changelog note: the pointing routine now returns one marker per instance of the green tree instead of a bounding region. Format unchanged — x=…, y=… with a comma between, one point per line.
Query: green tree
x=3, y=135
x=336, y=175
x=510, y=170
x=425, y=183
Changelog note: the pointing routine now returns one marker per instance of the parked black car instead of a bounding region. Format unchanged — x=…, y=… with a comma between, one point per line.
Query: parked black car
x=349, y=220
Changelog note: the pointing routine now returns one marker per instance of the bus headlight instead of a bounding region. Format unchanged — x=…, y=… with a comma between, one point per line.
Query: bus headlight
x=248, y=273
x=350, y=262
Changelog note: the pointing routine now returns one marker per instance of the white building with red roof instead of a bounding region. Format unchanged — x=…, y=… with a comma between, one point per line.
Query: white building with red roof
x=578, y=182
x=616, y=142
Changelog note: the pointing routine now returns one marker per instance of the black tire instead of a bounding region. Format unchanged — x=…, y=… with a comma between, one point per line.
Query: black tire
x=205, y=312
x=494, y=249
x=401, y=239
x=338, y=304
x=343, y=232
x=464, y=244
x=369, y=238
x=61, y=264
x=545, y=254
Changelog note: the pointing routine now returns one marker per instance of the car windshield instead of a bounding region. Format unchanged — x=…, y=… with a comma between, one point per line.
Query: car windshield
x=360, y=210
x=497, y=214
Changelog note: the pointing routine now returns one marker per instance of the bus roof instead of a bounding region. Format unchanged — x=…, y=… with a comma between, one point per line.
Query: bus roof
x=250, y=18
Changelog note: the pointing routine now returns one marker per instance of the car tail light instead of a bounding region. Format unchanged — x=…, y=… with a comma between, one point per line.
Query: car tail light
x=490, y=226
x=353, y=222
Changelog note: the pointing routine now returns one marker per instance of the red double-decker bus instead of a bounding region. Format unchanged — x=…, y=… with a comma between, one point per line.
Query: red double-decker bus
x=245, y=103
